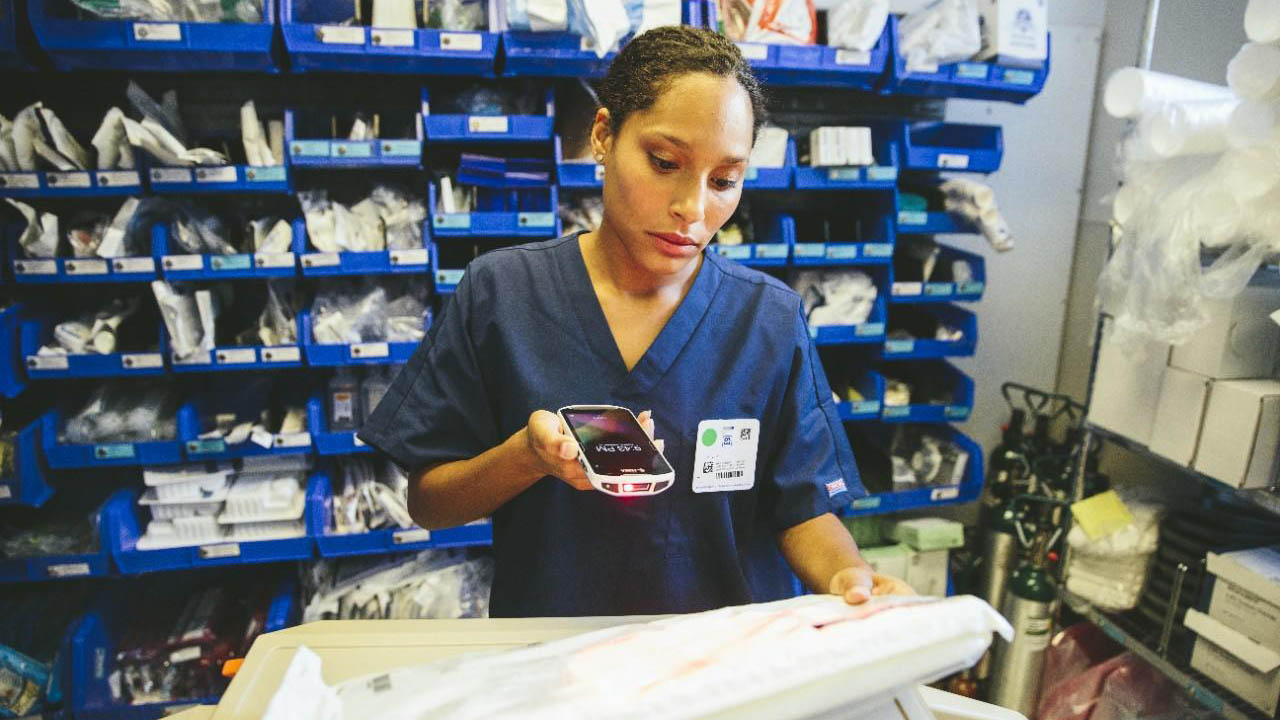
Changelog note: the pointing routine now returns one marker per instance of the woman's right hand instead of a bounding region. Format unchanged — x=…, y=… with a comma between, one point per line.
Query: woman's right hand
x=553, y=450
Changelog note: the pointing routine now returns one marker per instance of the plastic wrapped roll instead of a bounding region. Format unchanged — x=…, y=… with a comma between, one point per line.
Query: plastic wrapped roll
x=1189, y=128
x=1254, y=122
x=1131, y=92
x=1254, y=73
x=1250, y=173
x=1262, y=20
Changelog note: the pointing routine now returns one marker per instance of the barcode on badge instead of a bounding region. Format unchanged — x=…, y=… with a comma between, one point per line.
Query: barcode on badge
x=727, y=475
x=836, y=486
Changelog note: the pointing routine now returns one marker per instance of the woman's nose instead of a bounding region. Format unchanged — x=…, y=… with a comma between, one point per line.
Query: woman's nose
x=689, y=204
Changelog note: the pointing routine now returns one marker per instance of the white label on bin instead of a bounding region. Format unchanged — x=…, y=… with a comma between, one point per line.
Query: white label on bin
x=953, y=160
x=226, y=173
x=141, y=361
x=853, y=57
x=157, y=32
x=461, y=42
x=944, y=493
x=409, y=257
x=47, y=362
x=119, y=178
x=416, y=535
x=754, y=51
x=599, y=173
x=200, y=358
x=488, y=124
x=223, y=550
x=907, y=288
x=281, y=354
x=293, y=440
x=273, y=260
x=68, y=179
x=912, y=217
x=370, y=350
x=320, y=260
x=183, y=262
x=922, y=67
x=392, y=38
x=170, y=175
x=85, y=267
x=186, y=654
x=35, y=267
x=25, y=181
x=6, y=492
x=238, y=356
x=340, y=35
x=262, y=438
x=68, y=570
x=134, y=265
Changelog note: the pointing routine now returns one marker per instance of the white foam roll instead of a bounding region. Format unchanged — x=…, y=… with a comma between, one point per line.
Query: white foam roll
x=1254, y=122
x=1190, y=128
x=1254, y=73
x=1132, y=91
x=1262, y=20
x=1249, y=173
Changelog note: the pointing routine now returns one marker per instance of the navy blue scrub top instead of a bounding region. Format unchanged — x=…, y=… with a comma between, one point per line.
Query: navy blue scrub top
x=525, y=332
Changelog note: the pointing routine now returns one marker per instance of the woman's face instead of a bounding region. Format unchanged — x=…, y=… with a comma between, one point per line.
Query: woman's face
x=673, y=174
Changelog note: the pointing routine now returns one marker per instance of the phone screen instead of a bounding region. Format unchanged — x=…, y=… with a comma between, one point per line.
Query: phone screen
x=614, y=442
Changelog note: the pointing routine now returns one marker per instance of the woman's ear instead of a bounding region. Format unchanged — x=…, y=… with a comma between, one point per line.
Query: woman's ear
x=601, y=135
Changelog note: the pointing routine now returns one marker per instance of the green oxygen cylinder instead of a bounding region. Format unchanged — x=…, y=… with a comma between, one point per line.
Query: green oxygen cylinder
x=999, y=554
x=1016, y=666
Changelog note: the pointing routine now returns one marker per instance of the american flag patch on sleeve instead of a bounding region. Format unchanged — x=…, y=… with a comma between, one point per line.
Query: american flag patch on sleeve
x=836, y=486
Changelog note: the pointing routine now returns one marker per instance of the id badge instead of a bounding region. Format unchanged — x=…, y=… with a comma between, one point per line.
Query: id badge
x=726, y=456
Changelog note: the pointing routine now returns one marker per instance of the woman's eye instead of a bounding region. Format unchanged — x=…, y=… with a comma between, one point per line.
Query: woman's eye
x=665, y=165
x=724, y=183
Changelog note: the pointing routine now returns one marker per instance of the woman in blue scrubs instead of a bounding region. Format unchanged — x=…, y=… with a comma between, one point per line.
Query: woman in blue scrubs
x=635, y=313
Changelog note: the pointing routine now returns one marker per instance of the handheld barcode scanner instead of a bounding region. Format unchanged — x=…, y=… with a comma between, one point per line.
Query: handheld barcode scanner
x=616, y=452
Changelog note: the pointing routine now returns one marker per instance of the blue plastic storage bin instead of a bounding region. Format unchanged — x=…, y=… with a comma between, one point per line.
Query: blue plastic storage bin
x=380, y=262
x=318, y=40
x=59, y=567
x=564, y=54
x=951, y=146
x=927, y=347
x=488, y=128
x=124, y=528
x=930, y=222
x=197, y=449
x=869, y=384
x=943, y=289
x=59, y=271
x=337, y=442
x=577, y=174
x=871, y=331
x=49, y=184
x=340, y=355
x=175, y=265
x=883, y=175
x=776, y=236
x=872, y=212
x=973, y=80
x=773, y=178
x=445, y=279
x=942, y=373
x=968, y=490
x=28, y=485
x=273, y=179
x=336, y=153
x=817, y=65
x=13, y=379
x=152, y=46
x=390, y=540
x=38, y=332
x=126, y=454
x=514, y=213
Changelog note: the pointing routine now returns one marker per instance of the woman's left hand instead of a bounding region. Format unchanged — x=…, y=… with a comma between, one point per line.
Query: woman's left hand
x=859, y=584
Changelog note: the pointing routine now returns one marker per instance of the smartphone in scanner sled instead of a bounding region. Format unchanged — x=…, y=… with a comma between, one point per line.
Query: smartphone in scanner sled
x=615, y=451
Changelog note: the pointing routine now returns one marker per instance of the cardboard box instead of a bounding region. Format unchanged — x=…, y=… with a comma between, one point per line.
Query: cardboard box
x=1015, y=31
x=1236, y=662
x=888, y=559
x=1175, y=434
x=1256, y=570
x=1240, y=341
x=1126, y=388
x=927, y=572
x=928, y=533
x=1240, y=434
x=1246, y=613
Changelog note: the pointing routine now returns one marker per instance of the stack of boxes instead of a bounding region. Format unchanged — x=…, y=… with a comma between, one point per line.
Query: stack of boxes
x=1238, y=635
x=918, y=550
x=1212, y=404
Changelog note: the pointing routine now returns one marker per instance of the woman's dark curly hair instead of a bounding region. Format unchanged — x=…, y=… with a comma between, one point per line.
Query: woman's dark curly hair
x=649, y=63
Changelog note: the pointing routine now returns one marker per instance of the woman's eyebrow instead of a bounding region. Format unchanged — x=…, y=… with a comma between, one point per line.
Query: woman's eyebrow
x=726, y=160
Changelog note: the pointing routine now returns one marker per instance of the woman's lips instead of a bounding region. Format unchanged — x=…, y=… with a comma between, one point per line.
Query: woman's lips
x=674, y=245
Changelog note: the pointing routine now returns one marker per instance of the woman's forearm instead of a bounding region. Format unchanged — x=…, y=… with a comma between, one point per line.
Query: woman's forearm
x=458, y=492
x=819, y=548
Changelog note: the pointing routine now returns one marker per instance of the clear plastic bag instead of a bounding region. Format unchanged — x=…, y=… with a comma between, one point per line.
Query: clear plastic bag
x=124, y=413
x=945, y=31
x=464, y=14
x=857, y=24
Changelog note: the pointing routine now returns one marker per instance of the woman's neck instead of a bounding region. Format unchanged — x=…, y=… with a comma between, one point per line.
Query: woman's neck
x=608, y=259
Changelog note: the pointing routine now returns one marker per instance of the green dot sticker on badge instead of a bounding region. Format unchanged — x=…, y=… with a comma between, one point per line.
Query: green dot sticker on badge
x=709, y=437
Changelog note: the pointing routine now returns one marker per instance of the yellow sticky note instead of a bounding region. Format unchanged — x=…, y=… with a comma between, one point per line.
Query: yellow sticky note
x=1101, y=515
